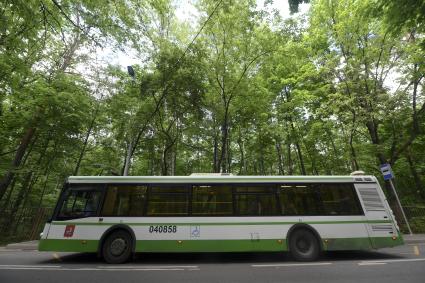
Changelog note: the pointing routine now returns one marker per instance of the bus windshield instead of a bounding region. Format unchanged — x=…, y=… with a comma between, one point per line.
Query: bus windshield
x=80, y=203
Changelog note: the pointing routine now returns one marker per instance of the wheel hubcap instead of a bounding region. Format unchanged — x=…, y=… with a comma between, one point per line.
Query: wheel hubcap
x=118, y=247
x=303, y=245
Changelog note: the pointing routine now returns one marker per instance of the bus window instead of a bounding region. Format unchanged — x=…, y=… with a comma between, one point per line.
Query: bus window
x=125, y=201
x=79, y=204
x=212, y=200
x=168, y=201
x=339, y=199
x=256, y=200
x=299, y=200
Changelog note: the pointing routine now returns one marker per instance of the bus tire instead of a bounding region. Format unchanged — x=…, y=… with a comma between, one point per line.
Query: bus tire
x=304, y=245
x=117, y=247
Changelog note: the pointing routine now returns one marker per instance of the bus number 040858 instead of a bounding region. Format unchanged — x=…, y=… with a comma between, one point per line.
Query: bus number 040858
x=163, y=229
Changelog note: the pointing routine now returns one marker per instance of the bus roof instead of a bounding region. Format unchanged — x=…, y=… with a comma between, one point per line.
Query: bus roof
x=208, y=179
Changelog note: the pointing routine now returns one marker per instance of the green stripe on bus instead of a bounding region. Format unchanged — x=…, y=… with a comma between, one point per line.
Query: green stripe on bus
x=211, y=245
x=68, y=245
x=361, y=243
x=73, y=245
x=219, y=223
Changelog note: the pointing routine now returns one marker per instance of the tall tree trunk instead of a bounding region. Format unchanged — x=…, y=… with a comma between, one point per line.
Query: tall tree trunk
x=46, y=174
x=86, y=139
x=8, y=196
x=242, y=165
x=165, y=164
x=30, y=179
x=127, y=159
x=229, y=152
x=174, y=161
x=23, y=145
x=216, y=165
x=43, y=191
x=354, y=162
x=224, y=136
x=19, y=199
x=290, y=166
x=300, y=158
x=261, y=162
x=278, y=147
x=373, y=132
x=418, y=182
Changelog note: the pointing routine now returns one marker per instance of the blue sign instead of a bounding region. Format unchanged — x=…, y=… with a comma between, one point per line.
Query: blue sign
x=386, y=171
x=195, y=231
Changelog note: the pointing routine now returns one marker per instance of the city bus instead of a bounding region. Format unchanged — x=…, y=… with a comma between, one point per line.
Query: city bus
x=118, y=216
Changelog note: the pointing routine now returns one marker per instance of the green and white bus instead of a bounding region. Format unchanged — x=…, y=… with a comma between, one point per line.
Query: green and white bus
x=118, y=216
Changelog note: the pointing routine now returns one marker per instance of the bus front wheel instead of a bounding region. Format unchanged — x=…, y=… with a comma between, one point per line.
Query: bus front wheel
x=303, y=245
x=117, y=247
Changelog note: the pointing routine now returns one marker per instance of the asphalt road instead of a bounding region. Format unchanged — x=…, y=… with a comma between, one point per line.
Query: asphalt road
x=400, y=264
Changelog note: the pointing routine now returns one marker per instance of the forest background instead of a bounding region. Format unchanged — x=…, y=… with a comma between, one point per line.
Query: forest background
x=237, y=88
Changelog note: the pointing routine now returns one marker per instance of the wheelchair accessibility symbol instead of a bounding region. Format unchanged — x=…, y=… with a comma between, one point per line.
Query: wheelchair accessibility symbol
x=195, y=231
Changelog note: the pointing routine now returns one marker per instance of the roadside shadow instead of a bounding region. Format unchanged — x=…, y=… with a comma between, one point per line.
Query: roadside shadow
x=73, y=258
x=215, y=258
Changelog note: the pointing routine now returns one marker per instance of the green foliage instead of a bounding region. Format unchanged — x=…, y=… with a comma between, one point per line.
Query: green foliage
x=338, y=90
x=400, y=15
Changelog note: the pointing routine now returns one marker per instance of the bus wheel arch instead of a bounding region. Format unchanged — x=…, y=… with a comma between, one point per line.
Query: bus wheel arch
x=309, y=239
x=121, y=230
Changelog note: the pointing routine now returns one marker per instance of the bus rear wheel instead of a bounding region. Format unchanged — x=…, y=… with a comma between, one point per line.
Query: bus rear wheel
x=117, y=247
x=304, y=245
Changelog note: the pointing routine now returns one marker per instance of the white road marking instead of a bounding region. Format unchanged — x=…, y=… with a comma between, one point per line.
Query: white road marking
x=292, y=264
x=144, y=269
x=29, y=266
x=394, y=260
x=100, y=268
x=372, y=263
x=145, y=266
x=93, y=269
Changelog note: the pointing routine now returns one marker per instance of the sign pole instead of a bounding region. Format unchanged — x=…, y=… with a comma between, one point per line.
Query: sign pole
x=399, y=205
x=388, y=174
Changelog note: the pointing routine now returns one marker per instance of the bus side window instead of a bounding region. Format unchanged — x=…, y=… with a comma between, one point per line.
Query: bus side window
x=125, y=201
x=299, y=199
x=339, y=199
x=212, y=200
x=168, y=200
x=259, y=200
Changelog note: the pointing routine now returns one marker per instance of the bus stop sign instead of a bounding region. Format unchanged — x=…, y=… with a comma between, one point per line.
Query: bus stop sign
x=386, y=171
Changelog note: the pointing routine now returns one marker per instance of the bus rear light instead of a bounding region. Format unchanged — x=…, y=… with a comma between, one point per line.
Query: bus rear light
x=394, y=237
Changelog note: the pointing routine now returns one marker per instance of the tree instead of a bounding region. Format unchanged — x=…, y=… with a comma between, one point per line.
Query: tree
x=235, y=51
